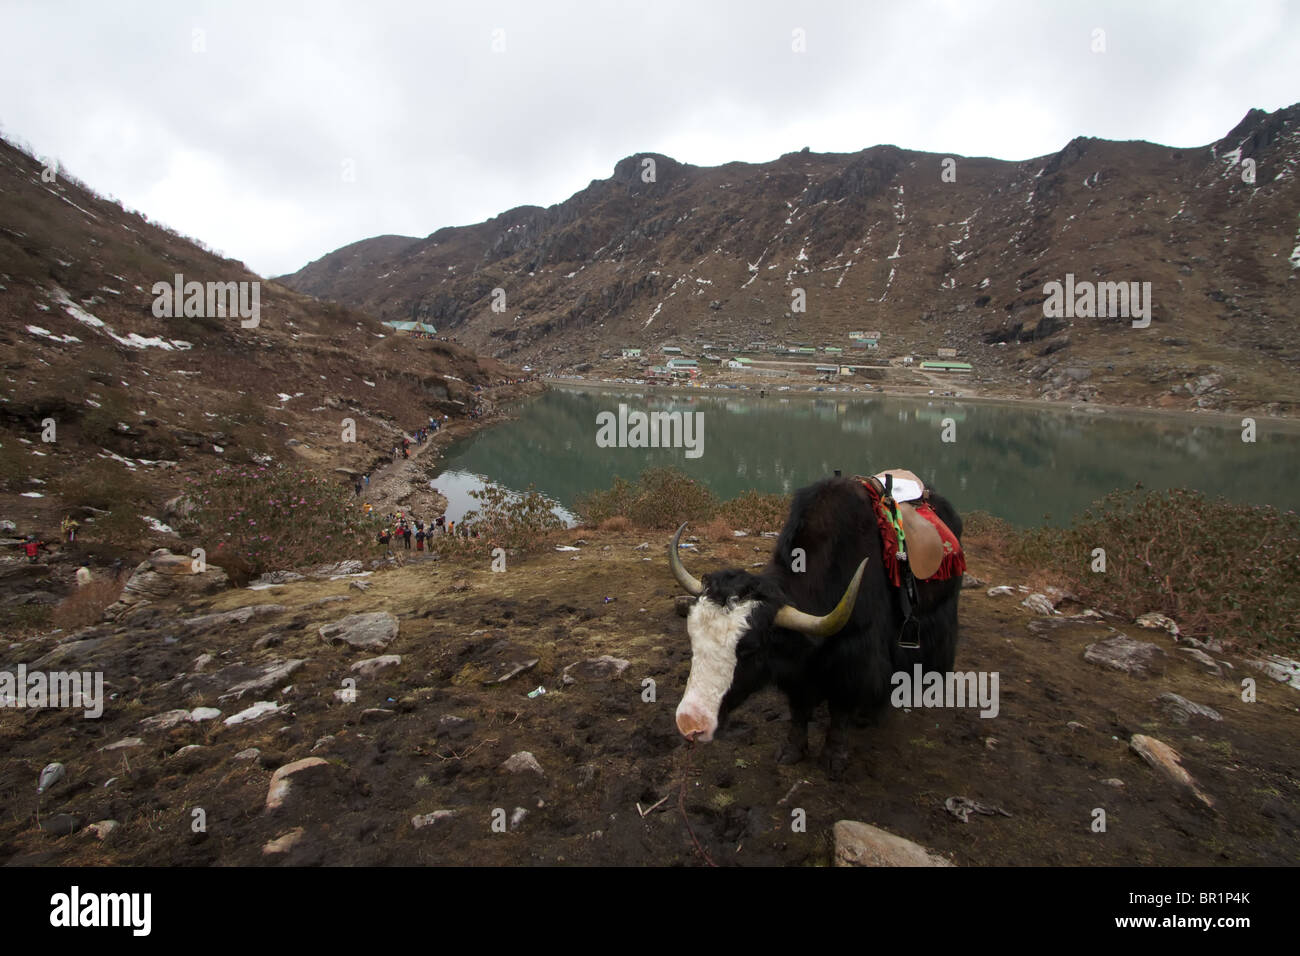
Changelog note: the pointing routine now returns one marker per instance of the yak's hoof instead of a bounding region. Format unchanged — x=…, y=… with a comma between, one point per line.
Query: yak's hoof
x=835, y=761
x=791, y=753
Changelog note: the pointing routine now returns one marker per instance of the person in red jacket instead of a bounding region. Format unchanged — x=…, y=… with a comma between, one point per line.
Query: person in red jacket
x=32, y=547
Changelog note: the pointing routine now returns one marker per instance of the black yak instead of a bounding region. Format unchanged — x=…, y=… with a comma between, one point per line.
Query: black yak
x=830, y=631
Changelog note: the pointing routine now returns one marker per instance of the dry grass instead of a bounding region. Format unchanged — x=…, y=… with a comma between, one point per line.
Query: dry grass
x=616, y=523
x=86, y=605
x=716, y=530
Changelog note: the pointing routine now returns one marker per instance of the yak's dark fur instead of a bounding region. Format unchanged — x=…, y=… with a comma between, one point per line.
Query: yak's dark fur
x=832, y=521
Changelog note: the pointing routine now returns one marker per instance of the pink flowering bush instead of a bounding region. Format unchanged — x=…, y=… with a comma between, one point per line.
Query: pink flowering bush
x=275, y=517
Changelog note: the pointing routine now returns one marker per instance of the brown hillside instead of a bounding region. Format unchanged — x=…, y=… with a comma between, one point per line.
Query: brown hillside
x=142, y=401
x=878, y=240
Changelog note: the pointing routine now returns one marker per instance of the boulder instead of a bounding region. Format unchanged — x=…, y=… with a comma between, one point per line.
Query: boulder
x=860, y=844
x=1122, y=653
x=1039, y=604
x=1181, y=710
x=281, y=780
x=598, y=668
x=373, y=630
x=259, y=710
x=523, y=762
x=161, y=576
x=375, y=665
x=272, y=674
x=284, y=843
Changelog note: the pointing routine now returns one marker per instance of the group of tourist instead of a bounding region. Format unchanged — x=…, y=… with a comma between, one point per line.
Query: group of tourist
x=405, y=527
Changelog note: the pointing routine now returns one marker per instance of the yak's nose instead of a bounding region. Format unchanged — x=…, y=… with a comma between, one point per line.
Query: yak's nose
x=694, y=724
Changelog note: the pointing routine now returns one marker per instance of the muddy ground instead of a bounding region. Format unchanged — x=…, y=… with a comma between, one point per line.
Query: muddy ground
x=1063, y=728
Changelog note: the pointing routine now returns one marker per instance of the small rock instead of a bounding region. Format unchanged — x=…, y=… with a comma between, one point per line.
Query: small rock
x=164, y=721
x=1156, y=621
x=103, y=829
x=1113, y=782
x=1039, y=604
x=281, y=779
x=374, y=630
x=50, y=776
x=373, y=715
x=598, y=668
x=513, y=669
x=259, y=710
x=124, y=744
x=1000, y=590
x=523, y=762
x=374, y=665
x=963, y=807
x=200, y=714
x=1169, y=762
x=285, y=843
x=970, y=581
x=860, y=844
x=1281, y=669
x=360, y=585
x=1181, y=710
x=1122, y=653
x=202, y=661
x=273, y=673
x=1202, y=658
x=322, y=742
x=428, y=819
x=252, y=753
x=517, y=817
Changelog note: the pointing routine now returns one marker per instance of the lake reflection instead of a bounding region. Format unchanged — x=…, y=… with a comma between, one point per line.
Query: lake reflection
x=1018, y=463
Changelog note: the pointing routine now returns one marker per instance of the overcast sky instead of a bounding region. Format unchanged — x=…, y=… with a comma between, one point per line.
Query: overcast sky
x=277, y=132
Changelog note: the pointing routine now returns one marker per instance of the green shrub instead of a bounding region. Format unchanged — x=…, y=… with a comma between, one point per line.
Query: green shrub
x=1219, y=569
x=504, y=520
x=755, y=512
x=662, y=498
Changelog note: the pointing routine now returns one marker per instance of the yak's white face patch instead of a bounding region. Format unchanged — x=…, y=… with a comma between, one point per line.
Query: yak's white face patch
x=715, y=631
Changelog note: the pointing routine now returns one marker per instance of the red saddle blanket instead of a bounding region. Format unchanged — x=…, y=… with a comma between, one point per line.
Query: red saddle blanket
x=954, y=561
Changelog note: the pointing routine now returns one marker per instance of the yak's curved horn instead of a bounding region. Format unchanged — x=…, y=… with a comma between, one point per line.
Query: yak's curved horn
x=828, y=624
x=692, y=585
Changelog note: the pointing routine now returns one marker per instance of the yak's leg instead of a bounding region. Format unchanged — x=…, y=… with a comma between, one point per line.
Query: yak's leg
x=835, y=755
x=795, y=747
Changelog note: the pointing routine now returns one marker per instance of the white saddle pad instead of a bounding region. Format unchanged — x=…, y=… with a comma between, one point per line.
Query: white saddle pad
x=904, y=489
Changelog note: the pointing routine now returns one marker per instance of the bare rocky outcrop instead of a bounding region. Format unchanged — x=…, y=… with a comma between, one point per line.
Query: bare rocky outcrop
x=163, y=575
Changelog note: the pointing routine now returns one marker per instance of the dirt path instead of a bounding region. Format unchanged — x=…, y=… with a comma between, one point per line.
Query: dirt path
x=401, y=485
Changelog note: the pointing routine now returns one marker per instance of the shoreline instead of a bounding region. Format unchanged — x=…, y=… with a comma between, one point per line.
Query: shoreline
x=1222, y=419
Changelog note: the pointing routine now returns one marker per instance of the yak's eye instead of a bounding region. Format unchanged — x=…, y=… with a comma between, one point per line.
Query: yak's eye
x=733, y=602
